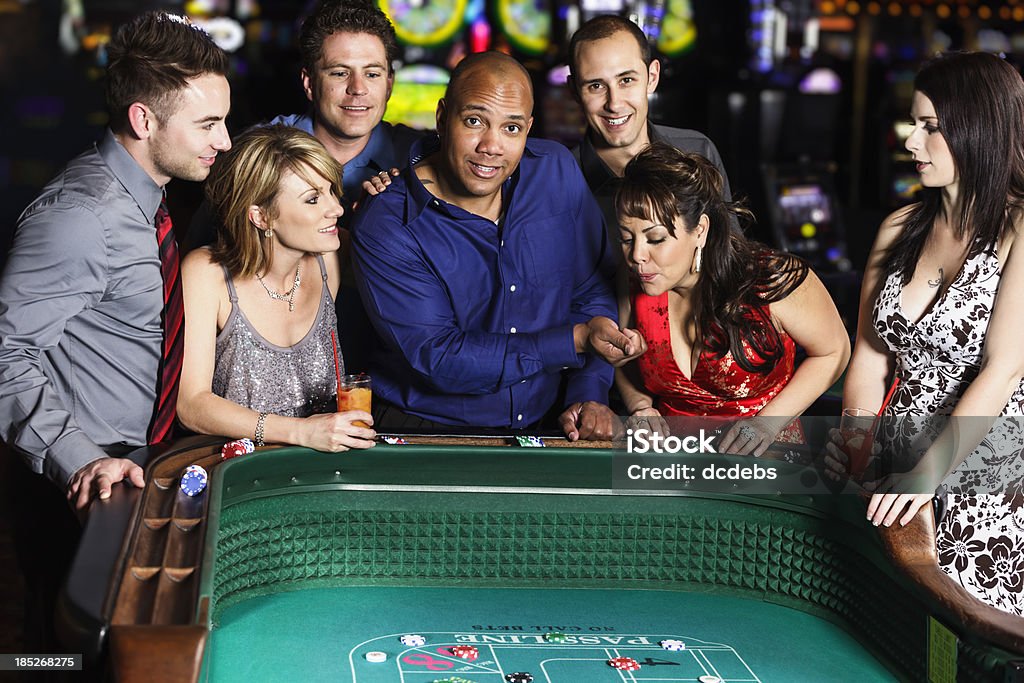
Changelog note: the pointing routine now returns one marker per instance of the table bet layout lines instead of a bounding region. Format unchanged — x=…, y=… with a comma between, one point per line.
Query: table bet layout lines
x=738, y=640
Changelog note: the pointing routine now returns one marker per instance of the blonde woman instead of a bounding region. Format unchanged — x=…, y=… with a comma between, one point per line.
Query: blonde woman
x=259, y=304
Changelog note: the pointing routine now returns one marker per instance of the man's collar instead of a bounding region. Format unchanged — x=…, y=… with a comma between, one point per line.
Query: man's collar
x=595, y=171
x=378, y=152
x=418, y=196
x=146, y=193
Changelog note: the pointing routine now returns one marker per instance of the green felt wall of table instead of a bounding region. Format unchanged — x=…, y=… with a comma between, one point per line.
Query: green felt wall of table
x=343, y=538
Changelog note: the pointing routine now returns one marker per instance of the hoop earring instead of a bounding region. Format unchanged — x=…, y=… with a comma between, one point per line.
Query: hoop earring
x=698, y=257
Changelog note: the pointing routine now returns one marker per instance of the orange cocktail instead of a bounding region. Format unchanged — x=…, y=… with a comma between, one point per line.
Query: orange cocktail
x=355, y=393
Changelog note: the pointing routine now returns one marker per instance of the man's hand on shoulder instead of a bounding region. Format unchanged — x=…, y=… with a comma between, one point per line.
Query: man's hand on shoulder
x=603, y=337
x=589, y=421
x=379, y=182
x=97, y=478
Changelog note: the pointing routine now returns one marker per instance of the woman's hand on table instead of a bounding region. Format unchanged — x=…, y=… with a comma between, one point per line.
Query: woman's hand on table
x=885, y=508
x=752, y=436
x=333, y=432
x=901, y=495
x=648, y=418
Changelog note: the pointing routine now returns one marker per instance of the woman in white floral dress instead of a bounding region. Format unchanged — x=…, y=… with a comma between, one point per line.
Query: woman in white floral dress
x=942, y=309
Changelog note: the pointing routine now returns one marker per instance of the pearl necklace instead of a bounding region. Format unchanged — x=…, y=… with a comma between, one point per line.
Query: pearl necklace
x=288, y=296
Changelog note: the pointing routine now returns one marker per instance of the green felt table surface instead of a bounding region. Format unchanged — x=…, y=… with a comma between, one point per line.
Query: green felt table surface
x=324, y=635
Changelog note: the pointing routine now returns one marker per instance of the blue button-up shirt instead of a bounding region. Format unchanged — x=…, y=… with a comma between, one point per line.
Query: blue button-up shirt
x=477, y=318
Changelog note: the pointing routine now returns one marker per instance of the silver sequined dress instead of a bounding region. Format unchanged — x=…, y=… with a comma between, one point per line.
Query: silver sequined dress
x=294, y=381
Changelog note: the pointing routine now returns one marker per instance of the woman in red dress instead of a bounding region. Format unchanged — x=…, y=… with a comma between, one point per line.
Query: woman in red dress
x=722, y=315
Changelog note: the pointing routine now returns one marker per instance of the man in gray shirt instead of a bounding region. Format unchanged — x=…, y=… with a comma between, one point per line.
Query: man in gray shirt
x=612, y=75
x=81, y=298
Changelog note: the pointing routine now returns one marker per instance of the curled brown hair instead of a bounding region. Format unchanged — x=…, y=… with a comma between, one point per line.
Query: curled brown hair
x=152, y=58
x=250, y=174
x=738, y=276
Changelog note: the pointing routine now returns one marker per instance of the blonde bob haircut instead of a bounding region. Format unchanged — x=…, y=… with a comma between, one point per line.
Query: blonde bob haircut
x=250, y=174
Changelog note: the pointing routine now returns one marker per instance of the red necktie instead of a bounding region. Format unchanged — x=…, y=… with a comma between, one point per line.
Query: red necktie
x=174, y=329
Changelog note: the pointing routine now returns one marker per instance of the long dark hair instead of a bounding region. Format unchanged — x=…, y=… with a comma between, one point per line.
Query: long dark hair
x=979, y=101
x=738, y=276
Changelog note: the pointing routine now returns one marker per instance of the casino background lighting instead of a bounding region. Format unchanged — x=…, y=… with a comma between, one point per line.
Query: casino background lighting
x=942, y=9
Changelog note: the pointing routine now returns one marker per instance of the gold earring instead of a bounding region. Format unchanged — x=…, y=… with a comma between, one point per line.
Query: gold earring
x=698, y=256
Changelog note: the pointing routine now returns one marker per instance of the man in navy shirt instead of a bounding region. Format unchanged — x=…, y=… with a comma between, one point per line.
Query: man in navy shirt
x=481, y=269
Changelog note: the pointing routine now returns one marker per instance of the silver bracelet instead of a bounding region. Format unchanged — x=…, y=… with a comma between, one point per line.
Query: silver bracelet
x=260, y=422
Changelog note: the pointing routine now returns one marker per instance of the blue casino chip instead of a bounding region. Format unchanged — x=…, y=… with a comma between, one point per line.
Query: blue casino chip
x=193, y=482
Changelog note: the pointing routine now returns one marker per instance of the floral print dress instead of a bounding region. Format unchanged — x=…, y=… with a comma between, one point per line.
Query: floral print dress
x=981, y=537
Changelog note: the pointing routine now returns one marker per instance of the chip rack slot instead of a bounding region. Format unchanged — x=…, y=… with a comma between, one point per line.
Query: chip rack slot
x=182, y=547
x=150, y=548
x=175, y=596
x=159, y=502
x=135, y=602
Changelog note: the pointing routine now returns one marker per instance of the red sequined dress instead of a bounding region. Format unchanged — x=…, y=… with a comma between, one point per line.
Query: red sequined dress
x=718, y=386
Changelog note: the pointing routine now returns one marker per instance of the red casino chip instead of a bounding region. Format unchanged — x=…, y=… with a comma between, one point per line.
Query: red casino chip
x=624, y=664
x=465, y=652
x=232, y=450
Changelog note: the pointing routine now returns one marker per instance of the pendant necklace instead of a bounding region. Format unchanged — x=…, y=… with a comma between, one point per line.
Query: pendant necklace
x=288, y=296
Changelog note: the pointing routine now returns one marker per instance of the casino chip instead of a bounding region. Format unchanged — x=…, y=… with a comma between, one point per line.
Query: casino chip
x=234, y=449
x=468, y=652
x=555, y=637
x=624, y=664
x=376, y=657
x=672, y=645
x=519, y=677
x=194, y=480
x=413, y=640
x=708, y=678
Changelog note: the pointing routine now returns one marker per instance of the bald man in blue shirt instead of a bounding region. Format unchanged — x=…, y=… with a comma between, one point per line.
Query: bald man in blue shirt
x=485, y=269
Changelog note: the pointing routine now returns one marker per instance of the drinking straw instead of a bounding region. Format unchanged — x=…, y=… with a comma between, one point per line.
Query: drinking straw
x=885, y=404
x=337, y=367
